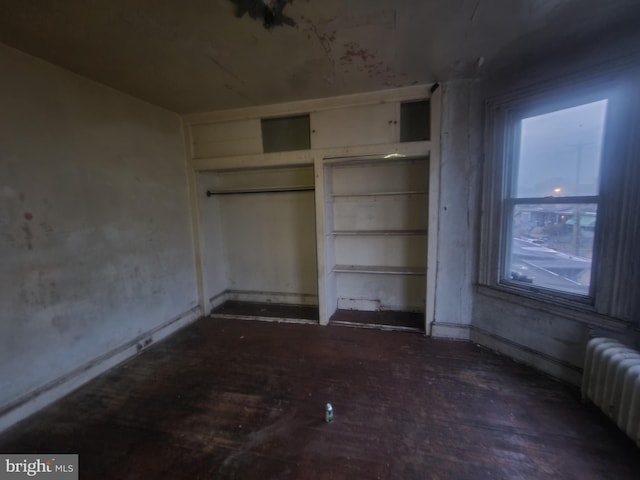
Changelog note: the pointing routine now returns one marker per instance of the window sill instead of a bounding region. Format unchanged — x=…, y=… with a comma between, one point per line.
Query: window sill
x=574, y=311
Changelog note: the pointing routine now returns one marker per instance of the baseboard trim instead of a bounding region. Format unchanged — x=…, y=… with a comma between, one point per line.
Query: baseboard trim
x=30, y=403
x=226, y=316
x=452, y=331
x=364, y=305
x=555, y=367
x=218, y=299
x=272, y=297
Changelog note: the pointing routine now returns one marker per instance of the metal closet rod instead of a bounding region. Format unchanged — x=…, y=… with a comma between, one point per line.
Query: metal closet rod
x=211, y=193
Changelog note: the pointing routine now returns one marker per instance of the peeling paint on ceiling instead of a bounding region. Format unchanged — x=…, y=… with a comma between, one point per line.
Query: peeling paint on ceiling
x=271, y=12
x=198, y=55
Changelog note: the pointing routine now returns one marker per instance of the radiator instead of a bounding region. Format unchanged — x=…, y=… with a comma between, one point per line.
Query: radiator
x=611, y=380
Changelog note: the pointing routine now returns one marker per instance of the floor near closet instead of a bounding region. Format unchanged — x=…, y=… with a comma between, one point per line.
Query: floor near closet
x=387, y=320
x=234, y=309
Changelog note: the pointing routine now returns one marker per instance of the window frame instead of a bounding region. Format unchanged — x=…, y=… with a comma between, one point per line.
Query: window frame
x=502, y=119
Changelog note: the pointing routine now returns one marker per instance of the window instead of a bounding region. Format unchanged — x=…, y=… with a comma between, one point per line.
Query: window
x=561, y=195
x=551, y=203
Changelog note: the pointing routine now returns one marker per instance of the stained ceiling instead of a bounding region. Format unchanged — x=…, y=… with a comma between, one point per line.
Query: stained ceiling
x=197, y=55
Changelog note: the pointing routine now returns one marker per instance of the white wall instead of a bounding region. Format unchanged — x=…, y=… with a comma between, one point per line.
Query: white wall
x=270, y=246
x=461, y=133
x=542, y=339
x=95, y=243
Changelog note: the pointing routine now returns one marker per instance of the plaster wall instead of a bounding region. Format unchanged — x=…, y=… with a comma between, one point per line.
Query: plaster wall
x=547, y=341
x=95, y=243
x=270, y=246
x=458, y=203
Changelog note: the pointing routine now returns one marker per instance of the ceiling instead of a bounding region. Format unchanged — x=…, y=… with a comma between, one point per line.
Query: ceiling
x=196, y=55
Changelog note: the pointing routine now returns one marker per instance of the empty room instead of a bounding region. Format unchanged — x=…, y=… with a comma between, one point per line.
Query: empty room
x=269, y=239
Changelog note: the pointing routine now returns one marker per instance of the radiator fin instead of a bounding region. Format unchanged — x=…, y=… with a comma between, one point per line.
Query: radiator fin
x=611, y=380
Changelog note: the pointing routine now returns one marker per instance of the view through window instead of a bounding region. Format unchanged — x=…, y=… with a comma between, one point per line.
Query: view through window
x=553, y=198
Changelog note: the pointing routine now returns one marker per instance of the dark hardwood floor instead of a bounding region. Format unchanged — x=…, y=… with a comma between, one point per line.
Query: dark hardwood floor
x=267, y=310
x=243, y=399
x=384, y=319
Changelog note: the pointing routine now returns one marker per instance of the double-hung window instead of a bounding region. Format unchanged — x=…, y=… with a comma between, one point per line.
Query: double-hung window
x=550, y=207
x=560, y=195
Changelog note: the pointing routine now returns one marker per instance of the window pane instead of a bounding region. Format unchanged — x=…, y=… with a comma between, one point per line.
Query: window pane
x=560, y=152
x=285, y=134
x=552, y=246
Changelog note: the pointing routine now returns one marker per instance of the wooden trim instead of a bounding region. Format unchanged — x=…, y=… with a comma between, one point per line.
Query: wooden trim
x=254, y=161
x=433, y=218
x=416, y=92
x=381, y=194
x=344, y=157
x=451, y=331
x=586, y=199
x=218, y=299
x=378, y=233
x=244, y=191
x=366, y=153
x=378, y=270
x=197, y=239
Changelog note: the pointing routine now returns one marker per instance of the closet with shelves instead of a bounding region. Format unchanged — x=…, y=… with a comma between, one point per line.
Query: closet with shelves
x=375, y=222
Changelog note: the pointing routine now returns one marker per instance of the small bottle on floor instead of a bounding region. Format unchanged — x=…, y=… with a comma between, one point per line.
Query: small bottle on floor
x=328, y=414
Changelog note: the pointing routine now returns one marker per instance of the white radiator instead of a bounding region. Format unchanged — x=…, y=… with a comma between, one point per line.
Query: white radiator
x=611, y=380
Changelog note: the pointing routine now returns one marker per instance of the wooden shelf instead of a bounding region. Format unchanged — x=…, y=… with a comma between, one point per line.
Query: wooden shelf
x=278, y=189
x=380, y=194
x=379, y=270
x=376, y=233
x=388, y=159
x=381, y=233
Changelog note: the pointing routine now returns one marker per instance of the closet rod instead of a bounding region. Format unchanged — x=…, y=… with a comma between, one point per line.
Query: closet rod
x=211, y=193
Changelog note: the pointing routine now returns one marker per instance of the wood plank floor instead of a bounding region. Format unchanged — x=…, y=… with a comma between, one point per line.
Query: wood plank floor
x=267, y=310
x=384, y=319
x=243, y=399
x=381, y=319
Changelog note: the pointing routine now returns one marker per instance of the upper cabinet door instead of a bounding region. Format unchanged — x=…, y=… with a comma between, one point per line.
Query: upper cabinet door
x=224, y=139
x=355, y=126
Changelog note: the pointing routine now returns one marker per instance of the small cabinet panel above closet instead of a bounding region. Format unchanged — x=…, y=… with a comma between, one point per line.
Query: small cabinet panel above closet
x=352, y=126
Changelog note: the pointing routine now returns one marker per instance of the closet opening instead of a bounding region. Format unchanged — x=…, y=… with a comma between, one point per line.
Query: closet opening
x=259, y=234
x=376, y=215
